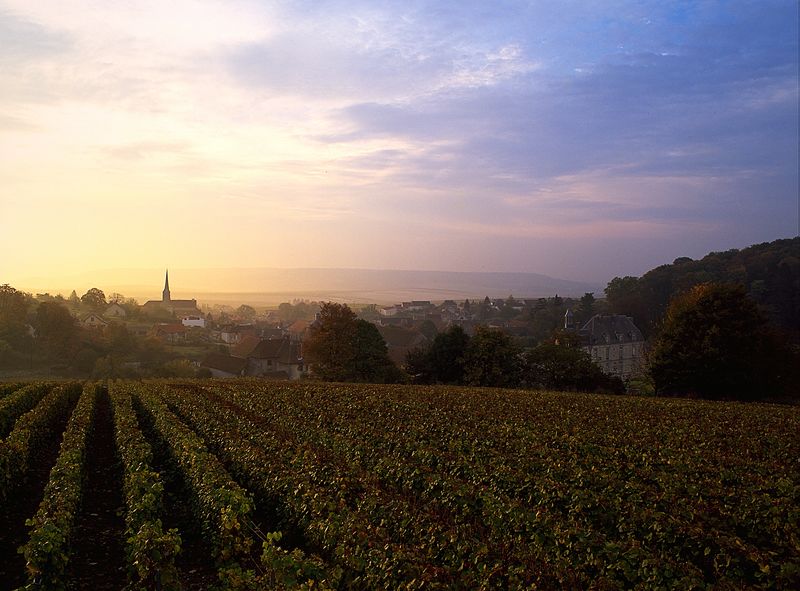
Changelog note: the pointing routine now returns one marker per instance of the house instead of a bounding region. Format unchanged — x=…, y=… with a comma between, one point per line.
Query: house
x=613, y=342
x=264, y=358
x=194, y=321
x=224, y=366
x=417, y=305
x=169, y=333
x=389, y=311
x=399, y=341
x=270, y=332
x=232, y=334
x=276, y=355
x=396, y=321
x=93, y=321
x=245, y=346
x=114, y=310
x=298, y=330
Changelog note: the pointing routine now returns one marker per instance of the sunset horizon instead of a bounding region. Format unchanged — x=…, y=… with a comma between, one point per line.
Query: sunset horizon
x=577, y=140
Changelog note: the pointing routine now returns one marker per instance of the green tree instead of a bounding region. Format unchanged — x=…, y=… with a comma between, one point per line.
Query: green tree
x=94, y=299
x=340, y=347
x=556, y=367
x=491, y=359
x=715, y=343
x=586, y=307
x=372, y=363
x=56, y=330
x=13, y=315
x=441, y=362
x=120, y=341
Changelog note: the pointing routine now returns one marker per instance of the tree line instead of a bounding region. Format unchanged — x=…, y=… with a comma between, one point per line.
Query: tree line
x=343, y=347
x=42, y=335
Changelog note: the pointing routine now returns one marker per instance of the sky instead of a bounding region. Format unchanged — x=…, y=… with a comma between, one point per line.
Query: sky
x=581, y=139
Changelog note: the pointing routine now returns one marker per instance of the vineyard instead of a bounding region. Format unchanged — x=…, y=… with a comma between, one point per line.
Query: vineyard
x=264, y=485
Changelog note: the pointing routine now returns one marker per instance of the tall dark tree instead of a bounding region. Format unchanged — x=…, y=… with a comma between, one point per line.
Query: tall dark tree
x=372, y=363
x=94, y=298
x=715, y=343
x=56, y=330
x=441, y=362
x=14, y=319
x=586, y=307
x=491, y=359
x=342, y=348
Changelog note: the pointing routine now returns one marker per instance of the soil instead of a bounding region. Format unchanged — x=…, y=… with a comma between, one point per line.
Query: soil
x=98, y=553
x=23, y=505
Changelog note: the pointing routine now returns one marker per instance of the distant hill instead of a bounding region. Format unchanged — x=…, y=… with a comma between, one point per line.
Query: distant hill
x=272, y=286
x=770, y=272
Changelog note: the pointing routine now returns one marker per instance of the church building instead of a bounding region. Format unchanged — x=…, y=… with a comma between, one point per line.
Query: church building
x=180, y=308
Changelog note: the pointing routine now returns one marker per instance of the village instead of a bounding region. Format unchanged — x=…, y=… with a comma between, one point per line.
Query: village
x=227, y=342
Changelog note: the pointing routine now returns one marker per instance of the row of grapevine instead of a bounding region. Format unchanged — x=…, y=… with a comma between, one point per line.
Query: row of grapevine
x=345, y=515
x=624, y=500
x=508, y=531
x=378, y=487
x=47, y=550
x=150, y=550
x=221, y=506
x=18, y=402
x=224, y=510
x=6, y=389
x=30, y=430
x=513, y=532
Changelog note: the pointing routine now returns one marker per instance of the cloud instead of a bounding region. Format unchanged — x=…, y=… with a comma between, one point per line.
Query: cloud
x=24, y=40
x=475, y=129
x=141, y=150
x=8, y=123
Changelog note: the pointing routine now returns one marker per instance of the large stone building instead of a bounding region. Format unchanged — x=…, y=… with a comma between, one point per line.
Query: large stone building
x=613, y=342
x=179, y=308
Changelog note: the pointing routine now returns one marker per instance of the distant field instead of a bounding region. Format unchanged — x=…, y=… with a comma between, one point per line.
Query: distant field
x=393, y=487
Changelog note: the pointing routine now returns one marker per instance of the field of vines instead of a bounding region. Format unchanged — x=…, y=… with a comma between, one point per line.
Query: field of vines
x=240, y=484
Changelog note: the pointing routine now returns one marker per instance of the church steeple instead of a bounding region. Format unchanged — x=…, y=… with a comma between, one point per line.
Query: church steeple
x=165, y=293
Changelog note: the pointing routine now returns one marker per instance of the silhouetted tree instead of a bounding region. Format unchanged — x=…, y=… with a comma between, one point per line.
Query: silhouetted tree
x=586, y=307
x=556, y=367
x=94, y=298
x=441, y=362
x=340, y=347
x=491, y=359
x=56, y=330
x=715, y=343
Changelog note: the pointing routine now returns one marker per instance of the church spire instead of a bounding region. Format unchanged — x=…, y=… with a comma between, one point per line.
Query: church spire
x=165, y=293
